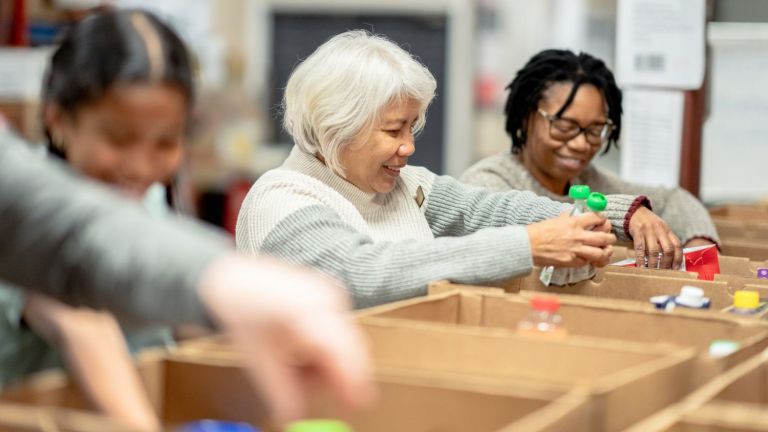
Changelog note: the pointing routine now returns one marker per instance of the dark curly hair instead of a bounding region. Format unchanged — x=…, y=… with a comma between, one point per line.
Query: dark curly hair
x=558, y=66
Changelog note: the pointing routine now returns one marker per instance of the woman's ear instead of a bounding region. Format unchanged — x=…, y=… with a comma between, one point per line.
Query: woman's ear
x=53, y=120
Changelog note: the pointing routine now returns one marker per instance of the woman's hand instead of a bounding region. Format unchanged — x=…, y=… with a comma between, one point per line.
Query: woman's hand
x=295, y=328
x=571, y=241
x=656, y=246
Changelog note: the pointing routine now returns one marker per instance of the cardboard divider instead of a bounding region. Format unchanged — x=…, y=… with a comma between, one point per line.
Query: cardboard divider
x=625, y=286
x=197, y=384
x=627, y=380
x=581, y=316
x=25, y=418
x=739, y=266
x=756, y=211
x=734, y=401
x=584, y=317
x=735, y=228
x=730, y=264
x=756, y=250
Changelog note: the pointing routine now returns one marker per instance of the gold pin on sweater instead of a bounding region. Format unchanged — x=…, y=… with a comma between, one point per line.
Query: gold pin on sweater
x=419, y=196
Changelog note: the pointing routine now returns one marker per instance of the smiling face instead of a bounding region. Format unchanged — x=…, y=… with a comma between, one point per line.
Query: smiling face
x=131, y=137
x=374, y=164
x=555, y=163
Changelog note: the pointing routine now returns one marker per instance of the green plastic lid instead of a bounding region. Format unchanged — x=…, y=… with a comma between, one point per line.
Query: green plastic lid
x=321, y=425
x=578, y=192
x=596, y=202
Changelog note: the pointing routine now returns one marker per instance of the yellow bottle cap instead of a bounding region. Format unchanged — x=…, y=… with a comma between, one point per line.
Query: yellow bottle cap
x=743, y=299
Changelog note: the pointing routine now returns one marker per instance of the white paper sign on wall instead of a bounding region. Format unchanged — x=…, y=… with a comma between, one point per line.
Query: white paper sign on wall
x=660, y=43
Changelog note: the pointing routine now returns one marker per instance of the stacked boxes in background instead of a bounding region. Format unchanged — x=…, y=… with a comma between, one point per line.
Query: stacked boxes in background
x=453, y=361
x=743, y=230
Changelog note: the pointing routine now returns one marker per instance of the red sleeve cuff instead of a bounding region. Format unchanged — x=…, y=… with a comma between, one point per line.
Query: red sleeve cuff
x=640, y=201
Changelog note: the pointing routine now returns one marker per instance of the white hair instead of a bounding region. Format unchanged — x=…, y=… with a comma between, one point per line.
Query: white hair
x=338, y=93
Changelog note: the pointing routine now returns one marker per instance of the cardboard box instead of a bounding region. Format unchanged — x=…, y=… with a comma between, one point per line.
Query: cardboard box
x=584, y=317
x=756, y=250
x=186, y=387
x=26, y=418
x=627, y=381
x=734, y=401
x=757, y=212
x=729, y=264
x=621, y=286
x=736, y=228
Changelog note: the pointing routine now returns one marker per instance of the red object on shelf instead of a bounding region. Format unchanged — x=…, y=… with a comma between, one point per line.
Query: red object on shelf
x=18, y=36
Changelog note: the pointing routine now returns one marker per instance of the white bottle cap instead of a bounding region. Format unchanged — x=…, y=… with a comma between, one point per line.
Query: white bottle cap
x=691, y=296
x=722, y=347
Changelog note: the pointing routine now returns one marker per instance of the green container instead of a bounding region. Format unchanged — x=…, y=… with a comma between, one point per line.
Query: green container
x=578, y=192
x=596, y=202
x=321, y=425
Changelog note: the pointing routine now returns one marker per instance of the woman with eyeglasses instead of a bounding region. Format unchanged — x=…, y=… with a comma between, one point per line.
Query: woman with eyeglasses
x=562, y=110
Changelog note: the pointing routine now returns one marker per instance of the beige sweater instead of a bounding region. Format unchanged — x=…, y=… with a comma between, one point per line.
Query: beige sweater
x=685, y=214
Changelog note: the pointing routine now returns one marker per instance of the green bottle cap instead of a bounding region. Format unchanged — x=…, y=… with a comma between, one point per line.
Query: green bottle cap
x=578, y=192
x=321, y=425
x=596, y=202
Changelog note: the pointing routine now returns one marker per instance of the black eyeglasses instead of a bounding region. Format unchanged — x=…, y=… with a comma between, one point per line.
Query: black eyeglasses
x=564, y=130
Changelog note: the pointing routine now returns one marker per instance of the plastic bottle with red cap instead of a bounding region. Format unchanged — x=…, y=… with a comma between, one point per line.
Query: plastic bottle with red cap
x=544, y=319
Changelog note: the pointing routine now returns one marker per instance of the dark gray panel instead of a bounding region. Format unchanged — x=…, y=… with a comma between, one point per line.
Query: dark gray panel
x=296, y=36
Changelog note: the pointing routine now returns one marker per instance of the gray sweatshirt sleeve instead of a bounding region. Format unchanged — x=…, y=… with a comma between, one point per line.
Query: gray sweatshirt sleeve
x=81, y=244
x=380, y=271
x=455, y=209
x=686, y=216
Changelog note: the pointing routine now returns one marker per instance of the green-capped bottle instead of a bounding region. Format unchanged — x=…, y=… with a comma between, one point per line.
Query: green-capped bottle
x=596, y=202
x=550, y=275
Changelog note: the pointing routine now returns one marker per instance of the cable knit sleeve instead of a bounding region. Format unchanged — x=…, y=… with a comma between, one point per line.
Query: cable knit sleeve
x=686, y=216
x=379, y=272
x=455, y=209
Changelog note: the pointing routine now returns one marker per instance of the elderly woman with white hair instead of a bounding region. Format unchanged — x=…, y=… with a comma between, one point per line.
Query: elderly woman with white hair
x=345, y=201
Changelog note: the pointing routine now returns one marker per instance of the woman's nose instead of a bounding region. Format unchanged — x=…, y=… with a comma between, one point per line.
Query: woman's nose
x=407, y=148
x=579, y=142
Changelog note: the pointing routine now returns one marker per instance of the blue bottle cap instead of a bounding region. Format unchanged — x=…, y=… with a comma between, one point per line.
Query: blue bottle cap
x=217, y=426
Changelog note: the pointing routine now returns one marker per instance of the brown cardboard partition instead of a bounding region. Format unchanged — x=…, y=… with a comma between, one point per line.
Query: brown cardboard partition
x=739, y=266
x=628, y=381
x=188, y=386
x=735, y=228
x=625, y=286
x=756, y=250
x=25, y=418
x=757, y=212
x=730, y=264
x=473, y=306
x=583, y=317
x=741, y=282
x=676, y=274
x=734, y=401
